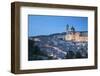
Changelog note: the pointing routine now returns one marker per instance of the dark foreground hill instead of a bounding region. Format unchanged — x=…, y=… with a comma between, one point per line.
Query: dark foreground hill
x=48, y=48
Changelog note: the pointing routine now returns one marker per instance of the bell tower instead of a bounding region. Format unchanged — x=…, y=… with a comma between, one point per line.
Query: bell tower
x=67, y=32
x=67, y=29
x=72, y=33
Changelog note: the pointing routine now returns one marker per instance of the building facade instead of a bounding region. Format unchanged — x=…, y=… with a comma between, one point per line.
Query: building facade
x=73, y=35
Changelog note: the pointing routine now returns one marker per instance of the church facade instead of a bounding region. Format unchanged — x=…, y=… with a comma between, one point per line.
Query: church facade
x=73, y=35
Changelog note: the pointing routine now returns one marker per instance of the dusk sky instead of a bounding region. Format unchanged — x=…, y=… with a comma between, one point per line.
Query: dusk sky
x=45, y=24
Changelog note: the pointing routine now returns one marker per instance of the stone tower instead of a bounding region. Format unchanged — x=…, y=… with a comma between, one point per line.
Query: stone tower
x=67, y=29
x=67, y=32
x=70, y=33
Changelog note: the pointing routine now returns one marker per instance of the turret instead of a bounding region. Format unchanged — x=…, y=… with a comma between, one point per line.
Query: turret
x=67, y=29
x=72, y=30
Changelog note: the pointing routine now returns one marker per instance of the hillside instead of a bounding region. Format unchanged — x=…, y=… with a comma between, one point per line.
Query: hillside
x=48, y=47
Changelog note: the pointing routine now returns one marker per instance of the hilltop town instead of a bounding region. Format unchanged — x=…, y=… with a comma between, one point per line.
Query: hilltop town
x=66, y=45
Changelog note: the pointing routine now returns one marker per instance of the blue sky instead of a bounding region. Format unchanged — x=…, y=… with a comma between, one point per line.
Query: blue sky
x=45, y=24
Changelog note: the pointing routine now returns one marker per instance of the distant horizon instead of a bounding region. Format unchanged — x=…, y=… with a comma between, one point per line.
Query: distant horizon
x=46, y=25
x=55, y=33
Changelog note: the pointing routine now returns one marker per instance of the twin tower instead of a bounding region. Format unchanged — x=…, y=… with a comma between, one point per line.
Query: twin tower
x=72, y=35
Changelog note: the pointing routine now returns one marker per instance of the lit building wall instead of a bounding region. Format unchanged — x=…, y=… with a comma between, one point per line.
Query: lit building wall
x=76, y=37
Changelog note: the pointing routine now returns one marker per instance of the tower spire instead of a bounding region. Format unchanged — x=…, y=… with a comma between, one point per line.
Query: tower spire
x=67, y=28
x=67, y=32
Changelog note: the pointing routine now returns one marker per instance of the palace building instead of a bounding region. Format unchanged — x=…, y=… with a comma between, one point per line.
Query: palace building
x=73, y=35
